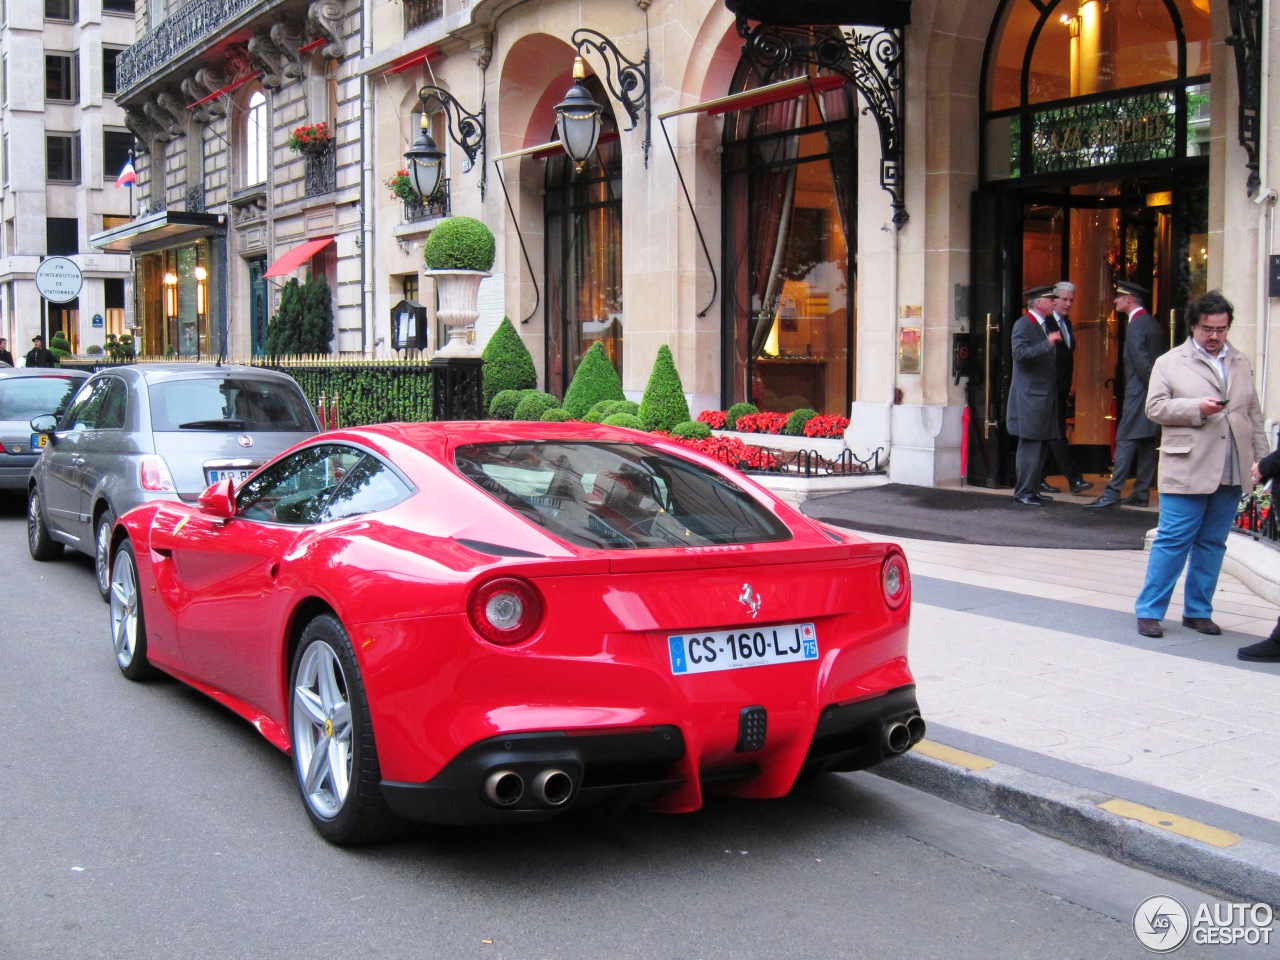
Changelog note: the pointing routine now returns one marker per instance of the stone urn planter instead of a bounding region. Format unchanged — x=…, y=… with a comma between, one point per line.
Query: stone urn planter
x=458, y=255
x=459, y=292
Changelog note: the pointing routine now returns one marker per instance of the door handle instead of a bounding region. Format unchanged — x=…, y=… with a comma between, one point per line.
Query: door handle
x=987, y=422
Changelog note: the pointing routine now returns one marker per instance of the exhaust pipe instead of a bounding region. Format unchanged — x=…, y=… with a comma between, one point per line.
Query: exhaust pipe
x=553, y=787
x=896, y=737
x=916, y=727
x=504, y=788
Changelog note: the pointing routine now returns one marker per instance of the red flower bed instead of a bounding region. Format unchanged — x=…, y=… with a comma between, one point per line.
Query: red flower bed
x=712, y=418
x=761, y=423
x=826, y=425
x=733, y=452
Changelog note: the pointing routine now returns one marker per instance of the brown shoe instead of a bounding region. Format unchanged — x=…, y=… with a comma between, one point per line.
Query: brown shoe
x=1150, y=628
x=1202, y=625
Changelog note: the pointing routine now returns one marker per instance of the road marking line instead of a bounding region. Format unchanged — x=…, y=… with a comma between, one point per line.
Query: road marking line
x=1194, y=829
x=970, y=761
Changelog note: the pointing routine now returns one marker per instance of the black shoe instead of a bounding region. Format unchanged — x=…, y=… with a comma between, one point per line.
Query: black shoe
x=1135, y=501
x=1265, y=651
x=1202, y=625
x=1103, y=501
x=1029, y=501
x=1046, y=487
x=1080, y=486
x=1150, y=628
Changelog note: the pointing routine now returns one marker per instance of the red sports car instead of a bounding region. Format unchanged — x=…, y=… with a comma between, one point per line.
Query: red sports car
x=491, y=622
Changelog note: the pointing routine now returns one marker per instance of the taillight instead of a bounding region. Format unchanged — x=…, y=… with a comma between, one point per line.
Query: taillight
x=895, y=580
x=155, y=475
x=505, y=611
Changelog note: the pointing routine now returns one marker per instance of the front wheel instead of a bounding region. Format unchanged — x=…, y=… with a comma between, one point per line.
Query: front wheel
x=102, y=551
x=128, y=628
x=40, y=544
x=335, y=758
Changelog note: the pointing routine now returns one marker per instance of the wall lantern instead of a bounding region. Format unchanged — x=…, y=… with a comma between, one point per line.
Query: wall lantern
x=578, y=116
x=425, y=160
x=170, y=295
x=201, y=276
x=578, y=119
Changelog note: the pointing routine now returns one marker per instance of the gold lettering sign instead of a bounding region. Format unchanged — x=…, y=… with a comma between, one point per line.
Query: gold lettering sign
x=1121, y=130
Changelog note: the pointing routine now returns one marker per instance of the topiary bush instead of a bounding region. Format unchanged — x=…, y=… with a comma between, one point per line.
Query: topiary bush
x=557, y=415
x=507, y=363
x=628, y=420
x=664, y=404
x=737, y=410
x=593, y=381
x=796, y=422
x=533, y=405
x=94, y=350
x=598, y=411
x=459, y=243
x=504, y=403
x=59, y=345
x=691, y=430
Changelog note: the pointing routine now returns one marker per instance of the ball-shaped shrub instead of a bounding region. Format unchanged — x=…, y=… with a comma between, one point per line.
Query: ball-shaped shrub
x=664, y=404
x=691, y=430
x=534, y=404
x=737, y=410
x=557, y=415
x=459, y=243
x=504, y=402
x=796, y=422
x=94, y=350
x=593, y=381
x=598, y=411
x=507, y=364
x=628, y=420
x=622, y=406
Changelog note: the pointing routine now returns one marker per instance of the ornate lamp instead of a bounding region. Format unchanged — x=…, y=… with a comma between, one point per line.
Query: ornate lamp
x=425, y=163
x=425, y=160
x=578, y=119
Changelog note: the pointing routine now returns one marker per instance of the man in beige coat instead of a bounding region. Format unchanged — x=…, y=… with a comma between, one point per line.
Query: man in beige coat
x=1202, y=393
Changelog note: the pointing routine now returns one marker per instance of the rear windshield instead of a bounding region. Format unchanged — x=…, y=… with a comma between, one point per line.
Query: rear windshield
x=22, y=398
x=228, y=403
x=618, y=495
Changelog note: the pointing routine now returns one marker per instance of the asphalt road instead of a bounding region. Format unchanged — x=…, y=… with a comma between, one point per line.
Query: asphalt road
x=144, y=821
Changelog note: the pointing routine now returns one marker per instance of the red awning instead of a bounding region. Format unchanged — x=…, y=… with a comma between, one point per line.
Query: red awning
x=296, y=257
x=762, y=96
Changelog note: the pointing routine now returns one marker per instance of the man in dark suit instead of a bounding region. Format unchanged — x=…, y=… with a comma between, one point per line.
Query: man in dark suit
x=1136, y=437
x=1032, y=413
x=1064, y=295
x=39, y=355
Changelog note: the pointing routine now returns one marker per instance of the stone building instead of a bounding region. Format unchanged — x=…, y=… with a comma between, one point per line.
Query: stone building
x=64, y=144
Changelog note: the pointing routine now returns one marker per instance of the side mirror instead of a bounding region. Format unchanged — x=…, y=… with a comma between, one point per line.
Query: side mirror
x=219, y=500
x=46, y=424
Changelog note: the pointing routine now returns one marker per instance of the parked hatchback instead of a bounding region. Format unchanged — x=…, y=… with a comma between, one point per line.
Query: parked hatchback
x=26, y=393
x=161, y=431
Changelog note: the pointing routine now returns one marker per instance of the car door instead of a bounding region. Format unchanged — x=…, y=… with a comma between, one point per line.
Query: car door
x=63, y=461
x=104, y=446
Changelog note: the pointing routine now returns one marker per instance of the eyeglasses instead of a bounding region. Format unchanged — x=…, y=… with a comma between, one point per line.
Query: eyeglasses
x=1213, y=331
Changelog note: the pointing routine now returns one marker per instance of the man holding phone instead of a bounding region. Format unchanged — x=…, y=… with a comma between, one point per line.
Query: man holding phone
x=1202, y=393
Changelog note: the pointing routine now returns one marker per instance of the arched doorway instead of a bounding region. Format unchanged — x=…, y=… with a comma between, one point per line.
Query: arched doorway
x=1094, y=166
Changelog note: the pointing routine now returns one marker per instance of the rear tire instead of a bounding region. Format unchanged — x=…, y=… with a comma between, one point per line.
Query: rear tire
x=40, y=544
x=128, y=626
x=102, y=551
x=335, y=758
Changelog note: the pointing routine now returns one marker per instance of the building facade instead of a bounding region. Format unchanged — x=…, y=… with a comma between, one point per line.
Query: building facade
x=64, y=142
x=835, y=206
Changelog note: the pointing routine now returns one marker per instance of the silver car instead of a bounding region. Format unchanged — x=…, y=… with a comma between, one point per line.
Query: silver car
x=26, y=393
x=153, y=432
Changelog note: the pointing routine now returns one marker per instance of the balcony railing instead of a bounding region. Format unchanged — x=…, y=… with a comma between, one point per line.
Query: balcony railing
x=189, y=27
x=419, y=12
x=419, y=209
x=322, y=172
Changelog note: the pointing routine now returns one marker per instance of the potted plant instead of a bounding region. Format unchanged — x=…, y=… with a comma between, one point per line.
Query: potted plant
x=458, y=255
x=401, y=186
x=310, y=138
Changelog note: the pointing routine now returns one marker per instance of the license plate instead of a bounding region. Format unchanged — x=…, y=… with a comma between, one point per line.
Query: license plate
x=236, y=475
x=745, y=647
x=39, y=440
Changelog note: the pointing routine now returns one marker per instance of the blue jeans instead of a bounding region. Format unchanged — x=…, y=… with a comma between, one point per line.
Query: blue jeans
x=1192, y=532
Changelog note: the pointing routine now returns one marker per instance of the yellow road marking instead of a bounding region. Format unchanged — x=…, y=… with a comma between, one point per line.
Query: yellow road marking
x=970, y=761
x=1194, y=829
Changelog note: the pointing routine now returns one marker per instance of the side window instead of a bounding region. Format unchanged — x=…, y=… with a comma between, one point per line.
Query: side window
x=113, y=406
x=296, y=489
x=86, y=409
x=370, y=485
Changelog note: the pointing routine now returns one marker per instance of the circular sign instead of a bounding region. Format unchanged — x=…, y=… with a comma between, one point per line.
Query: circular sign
x=1161, y=924
x=59, y=279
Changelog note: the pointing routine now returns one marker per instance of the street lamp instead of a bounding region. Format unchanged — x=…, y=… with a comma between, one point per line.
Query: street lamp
x=578, y=119
x=425, y=162
x=578, y=116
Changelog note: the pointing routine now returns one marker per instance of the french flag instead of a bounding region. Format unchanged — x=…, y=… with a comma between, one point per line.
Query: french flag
x=128, y=176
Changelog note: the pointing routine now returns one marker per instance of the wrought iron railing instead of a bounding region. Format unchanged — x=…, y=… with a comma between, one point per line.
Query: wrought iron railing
x=322, y=172
x=419, y=12
x=800, y=463
x=420, y=209
x=189, y=26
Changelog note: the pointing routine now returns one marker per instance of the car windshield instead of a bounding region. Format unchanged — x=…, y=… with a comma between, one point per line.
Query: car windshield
x=618, y=495
x=22, y=398
x=228, y=403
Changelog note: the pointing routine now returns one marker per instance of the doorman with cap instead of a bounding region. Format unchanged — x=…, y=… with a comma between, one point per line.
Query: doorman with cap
x=1032, y=412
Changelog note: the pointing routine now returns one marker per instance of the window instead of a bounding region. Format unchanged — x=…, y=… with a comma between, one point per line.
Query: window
x=23, y=398
x=62, y=157
x=256, y=140
x=118, y=6
x=100, y=404
x=60, y=77
x=109, y=58
x=60, y=10
x=323, y=482
x=116, y=145
x=62, y=236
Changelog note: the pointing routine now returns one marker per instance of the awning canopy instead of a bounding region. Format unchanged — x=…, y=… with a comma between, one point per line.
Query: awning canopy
x=167, y=228
x=296, y=257
x=761, y=96
x=543, y=150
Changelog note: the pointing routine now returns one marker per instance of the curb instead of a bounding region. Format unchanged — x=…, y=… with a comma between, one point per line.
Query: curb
x=1248, y=871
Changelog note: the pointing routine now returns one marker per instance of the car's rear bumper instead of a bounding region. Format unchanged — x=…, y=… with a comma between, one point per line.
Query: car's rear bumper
x=15, y=470
x=504, y=779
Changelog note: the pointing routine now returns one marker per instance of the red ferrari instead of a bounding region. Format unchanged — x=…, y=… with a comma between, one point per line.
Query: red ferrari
x=491, y=622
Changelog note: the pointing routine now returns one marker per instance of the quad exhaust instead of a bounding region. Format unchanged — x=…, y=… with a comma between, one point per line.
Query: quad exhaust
x=551, y=787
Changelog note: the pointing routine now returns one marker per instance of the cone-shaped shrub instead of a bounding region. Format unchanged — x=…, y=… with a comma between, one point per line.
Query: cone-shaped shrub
x=595, y=380
x=664, y=404
x=534, y=404
x=507, y=363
